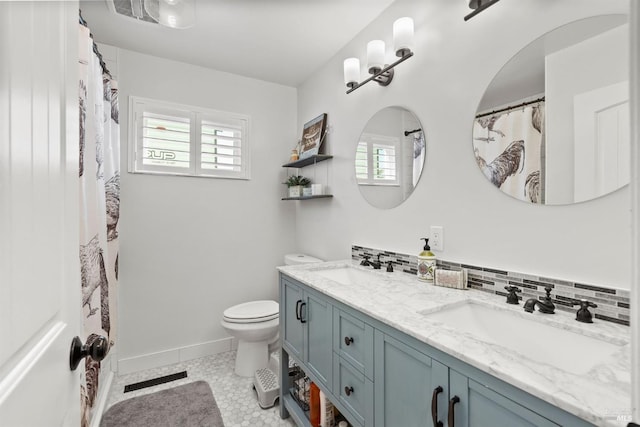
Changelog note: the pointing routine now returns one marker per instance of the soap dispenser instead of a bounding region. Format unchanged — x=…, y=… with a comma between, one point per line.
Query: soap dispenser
x=426, y=263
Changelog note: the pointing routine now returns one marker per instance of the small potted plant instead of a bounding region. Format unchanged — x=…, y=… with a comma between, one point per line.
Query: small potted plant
x=295, y=184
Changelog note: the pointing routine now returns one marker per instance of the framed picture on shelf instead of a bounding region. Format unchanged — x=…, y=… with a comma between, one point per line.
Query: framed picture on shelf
x=312, y=136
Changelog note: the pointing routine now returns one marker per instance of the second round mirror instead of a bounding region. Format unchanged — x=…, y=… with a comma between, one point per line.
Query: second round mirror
x=389, y=157
x=553, y=125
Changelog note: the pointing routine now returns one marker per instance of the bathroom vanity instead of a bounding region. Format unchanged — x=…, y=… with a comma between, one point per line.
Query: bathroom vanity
x=389, y=350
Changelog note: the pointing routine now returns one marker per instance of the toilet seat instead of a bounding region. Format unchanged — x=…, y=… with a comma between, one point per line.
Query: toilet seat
x=252, y=312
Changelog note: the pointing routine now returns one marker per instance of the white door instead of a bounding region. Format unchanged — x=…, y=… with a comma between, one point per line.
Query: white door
x=39, y=265
x=601, y=129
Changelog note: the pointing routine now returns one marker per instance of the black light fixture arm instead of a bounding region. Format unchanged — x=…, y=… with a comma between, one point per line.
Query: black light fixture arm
x=479, y=6
x=383, y=76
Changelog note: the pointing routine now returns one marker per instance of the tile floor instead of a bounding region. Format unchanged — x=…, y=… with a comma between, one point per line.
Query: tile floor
x=235, y=396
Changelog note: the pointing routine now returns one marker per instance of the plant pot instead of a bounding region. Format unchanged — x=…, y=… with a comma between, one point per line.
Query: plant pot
x=295, y=191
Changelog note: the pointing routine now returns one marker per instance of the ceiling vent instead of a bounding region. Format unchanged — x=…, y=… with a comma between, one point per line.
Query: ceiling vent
x=131, y=8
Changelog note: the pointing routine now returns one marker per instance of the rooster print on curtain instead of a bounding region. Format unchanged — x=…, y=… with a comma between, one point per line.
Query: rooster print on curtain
x=99, y=210
x=508, y=148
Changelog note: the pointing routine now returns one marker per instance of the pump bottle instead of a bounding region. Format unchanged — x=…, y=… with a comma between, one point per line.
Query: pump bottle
x=426, y=263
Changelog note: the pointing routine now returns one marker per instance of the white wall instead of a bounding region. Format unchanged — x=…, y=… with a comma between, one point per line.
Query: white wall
x=191, y=247
x=443, y=83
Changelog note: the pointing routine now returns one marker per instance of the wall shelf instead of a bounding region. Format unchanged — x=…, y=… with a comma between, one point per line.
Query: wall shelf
x=312, y=160
x=322, y=196
x=308, y=161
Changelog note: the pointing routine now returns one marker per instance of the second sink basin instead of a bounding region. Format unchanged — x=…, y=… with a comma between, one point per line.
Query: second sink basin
x=345, y=275
x=530, y=337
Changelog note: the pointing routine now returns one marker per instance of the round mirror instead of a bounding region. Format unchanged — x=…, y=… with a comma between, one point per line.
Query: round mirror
x=553, y=126
x=389, y=157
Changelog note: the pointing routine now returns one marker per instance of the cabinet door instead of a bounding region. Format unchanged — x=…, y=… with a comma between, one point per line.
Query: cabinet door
x=291, y=327
x=317, y=314
x=404, y=383
x=480, y=406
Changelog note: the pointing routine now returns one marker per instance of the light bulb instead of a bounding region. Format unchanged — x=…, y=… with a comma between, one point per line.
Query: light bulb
x=351, y=71
x=375, y=56
x=403, y=36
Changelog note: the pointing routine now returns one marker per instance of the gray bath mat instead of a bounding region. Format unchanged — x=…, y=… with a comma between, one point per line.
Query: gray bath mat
x=189, y=405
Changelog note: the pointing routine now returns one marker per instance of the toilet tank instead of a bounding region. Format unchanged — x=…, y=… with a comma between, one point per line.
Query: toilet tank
x=296, y=259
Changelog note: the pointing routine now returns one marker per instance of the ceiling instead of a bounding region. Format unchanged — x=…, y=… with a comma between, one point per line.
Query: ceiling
x=281, y=41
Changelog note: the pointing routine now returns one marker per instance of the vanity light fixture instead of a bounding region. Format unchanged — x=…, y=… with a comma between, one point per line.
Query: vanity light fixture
x=380, y=72
x=478, y=6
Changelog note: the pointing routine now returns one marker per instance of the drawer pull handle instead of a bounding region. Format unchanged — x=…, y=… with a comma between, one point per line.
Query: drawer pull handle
x=348, y=340
x=452, y=402
x=298, y=309
x=348, y=391
x=302, y=319
x=434, y=406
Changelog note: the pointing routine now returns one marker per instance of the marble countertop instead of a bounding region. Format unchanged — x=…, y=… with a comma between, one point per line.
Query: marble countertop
x=398, y=299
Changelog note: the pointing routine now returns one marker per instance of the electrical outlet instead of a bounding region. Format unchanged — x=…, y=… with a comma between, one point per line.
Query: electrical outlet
x=436, y=241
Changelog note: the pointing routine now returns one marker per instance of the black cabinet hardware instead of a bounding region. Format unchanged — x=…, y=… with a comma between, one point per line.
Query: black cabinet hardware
x=434, y=406
x=452, y=418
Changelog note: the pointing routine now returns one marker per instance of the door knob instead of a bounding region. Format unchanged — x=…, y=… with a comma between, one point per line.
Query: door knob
x=97, y=350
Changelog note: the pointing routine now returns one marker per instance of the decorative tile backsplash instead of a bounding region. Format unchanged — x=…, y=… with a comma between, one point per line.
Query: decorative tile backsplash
x=613, y=304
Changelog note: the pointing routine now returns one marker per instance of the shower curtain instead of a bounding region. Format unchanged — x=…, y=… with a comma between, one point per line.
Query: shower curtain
x=99, y=180
x=509, y=150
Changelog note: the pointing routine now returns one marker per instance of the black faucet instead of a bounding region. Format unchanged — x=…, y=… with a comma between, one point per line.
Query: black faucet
x=512, y=298
x=365, y=261
x=544, y=306
x=390, y=266
x=583, y=314
x=376, y=264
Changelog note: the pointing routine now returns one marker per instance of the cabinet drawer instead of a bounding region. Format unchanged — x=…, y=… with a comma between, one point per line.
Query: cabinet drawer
x=354, y=391
x=353, y=341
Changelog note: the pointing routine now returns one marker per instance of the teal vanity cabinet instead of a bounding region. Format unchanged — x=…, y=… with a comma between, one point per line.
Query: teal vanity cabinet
x=307, y=329
x=473, y=404
x=404, y=382
x=378, y=376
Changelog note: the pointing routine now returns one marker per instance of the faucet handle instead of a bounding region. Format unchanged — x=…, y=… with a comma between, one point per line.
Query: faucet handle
x=583, y=314
x=365, y=260
x=390, y=266
x=548, y=290
x=512, y=298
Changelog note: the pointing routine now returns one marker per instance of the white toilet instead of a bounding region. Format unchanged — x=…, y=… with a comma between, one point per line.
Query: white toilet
x=255, y=325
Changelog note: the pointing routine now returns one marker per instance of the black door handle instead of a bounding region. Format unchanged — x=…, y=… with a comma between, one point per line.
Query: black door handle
x=348, y=340
x=98, y=349
x=434, y=406
x=452, y=402
x=348, y=390
x=298, y=309
x=301, y=306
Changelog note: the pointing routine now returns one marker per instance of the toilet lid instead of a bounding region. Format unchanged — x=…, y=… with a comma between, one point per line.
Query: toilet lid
x=252, y=312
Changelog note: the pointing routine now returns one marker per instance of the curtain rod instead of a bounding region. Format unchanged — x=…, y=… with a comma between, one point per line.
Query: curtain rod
x=409, y=132
x=105, y=70
x=511, y=107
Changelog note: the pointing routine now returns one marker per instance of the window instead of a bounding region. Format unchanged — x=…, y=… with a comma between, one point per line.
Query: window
x=376, y=160
x=175, y=139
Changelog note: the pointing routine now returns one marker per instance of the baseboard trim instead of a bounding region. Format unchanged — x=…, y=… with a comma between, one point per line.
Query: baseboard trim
x=176, y=355
x=99, y=409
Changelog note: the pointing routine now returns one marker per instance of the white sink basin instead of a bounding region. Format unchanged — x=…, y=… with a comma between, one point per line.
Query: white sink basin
x=531, y=337
x=346, y=275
